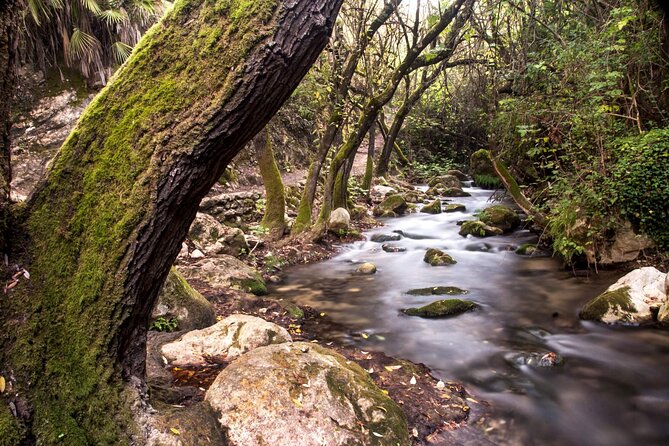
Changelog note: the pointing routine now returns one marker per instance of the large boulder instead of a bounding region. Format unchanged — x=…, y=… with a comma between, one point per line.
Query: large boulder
x=632, y=300
x=213, y=238
x=432, y=208
x=455, y=207
x=225, y=272
x=225, y=341
x=455, y=192
x=392, y=206
x=625, y=247
x=500, y=216
x=437, y=257
x=445, y=181
x=458, y=174
x=441, y=308
x=303, y=394
x=178, y=300
x=480, y=163
x=477, y=228
x=339, y=220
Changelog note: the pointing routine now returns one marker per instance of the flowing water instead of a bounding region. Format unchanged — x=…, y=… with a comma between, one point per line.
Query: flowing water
x=613, y=388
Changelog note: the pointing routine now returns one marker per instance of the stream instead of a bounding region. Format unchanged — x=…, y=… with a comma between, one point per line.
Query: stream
x=613, y=388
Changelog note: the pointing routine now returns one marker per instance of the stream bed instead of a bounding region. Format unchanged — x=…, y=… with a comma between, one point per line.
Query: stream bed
x=613, y=388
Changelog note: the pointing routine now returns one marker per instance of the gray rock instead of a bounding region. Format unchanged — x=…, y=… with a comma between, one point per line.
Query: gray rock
x=225, y=272
x=339, y=220
x=303, y=394
x=437, y=257
x=455, y=207
x=224, y=341
x=391, y=206
x=177, y=299
x=392, y=248
x=442, y=308
x=382, y=238
x=500, y=216
x=631, y=300
x=432, y=208
x=214, y=238
x=445, y=181
x=478, y=229
x=549, y=359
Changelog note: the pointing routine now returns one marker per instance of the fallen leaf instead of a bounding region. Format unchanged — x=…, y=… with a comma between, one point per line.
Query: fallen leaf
x=415, y=432
x=371, y=370
x=297, y=402
x=392, y=368
x=364, y=335
x=175, y=431
x=413, y=381
x=2, y=384
x=385, y=392
x=376, y=434
x=364, y=352
x=26, y=274
x=471, y=400
x=441, y=385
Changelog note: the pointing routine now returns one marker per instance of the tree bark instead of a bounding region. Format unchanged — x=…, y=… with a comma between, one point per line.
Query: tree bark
x=369, y=168
x=104, y=227
x=274, y=219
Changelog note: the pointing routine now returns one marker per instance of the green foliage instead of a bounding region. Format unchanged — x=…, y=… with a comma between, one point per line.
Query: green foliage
x=487, y=181
x=423, y=171
x=166, y=325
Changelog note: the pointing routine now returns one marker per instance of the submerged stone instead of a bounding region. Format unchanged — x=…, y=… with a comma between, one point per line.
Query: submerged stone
x=366, y=268
x=526, y=249
x=432, y=208
x=455, y=207
x=303, y=394
x=392, y=248
x=412, y=236
x=477, y=228
x=550, y=359
x=382, y=238
x=437, y=257
x=441, y=308
x=438, y=291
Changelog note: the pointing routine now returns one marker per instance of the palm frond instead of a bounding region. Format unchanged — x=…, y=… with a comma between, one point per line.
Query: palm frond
x=113, y=16
x=121, y=52
x=92, y=6
x=83, y=45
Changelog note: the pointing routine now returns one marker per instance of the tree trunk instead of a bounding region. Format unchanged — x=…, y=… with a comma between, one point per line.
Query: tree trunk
x=104, y=227
x=9, y=14
x=369, y=168
x=274, y=219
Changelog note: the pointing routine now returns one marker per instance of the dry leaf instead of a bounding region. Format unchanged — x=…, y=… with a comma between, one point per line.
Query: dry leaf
x=413, y=381
x=175, y=431
x=415, y=432
x=471, y=400
x=297, y=402
x=376, y=434
x=441, y=385
x=364, y=335
x=371, y=370
x=392, y=368
x=2, y=384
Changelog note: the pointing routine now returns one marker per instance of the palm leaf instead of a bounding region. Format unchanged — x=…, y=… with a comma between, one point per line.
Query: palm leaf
x=82, y=45
x=92, y=5
x=113, y=16
x=121, y=52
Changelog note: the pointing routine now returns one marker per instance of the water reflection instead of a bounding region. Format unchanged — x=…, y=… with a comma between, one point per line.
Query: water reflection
x=613, y=388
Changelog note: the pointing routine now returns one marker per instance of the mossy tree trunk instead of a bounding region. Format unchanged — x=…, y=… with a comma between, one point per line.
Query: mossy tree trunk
x=369, y=168
x=275, y=199
x=9, y=15
x=102, y=230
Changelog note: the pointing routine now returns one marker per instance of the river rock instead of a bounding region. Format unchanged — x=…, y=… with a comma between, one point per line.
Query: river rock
x=303, y=394
x=550, y=359
x=432, y=208
x=480, y=163
x=478, y=229
x=178, y=300
x=224, y=341
x=445, y=181
x=382, y=238
x=339, y=220
x=213, y=238
x=415, y=196
x=458, y=174
x=441, y=308
x=526, y=249
x=631, y=300
x=379, y=192
x=455, y=207
x=225, y=272
x=438, y=291
x=392, y=206
x=366, y=268
x=663, y=314
x=501, y=217
x=627, y=245
x=392, y=248
x=455, y=192
x=437, y=257
x=412, y=236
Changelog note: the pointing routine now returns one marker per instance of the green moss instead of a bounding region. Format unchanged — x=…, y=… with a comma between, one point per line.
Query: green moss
x=436, y=257
x=254, y=285
x=177, y=294
x=437, y=291
x=391, y=206
x=275, y=209
x=454, y=192
x=433, y=207
x=12, y=433
x=617, y=300
x=480, y=163
x=478, y=229
x=441, y=308
x=526, y=249
x=501, y=217
x=455, y=207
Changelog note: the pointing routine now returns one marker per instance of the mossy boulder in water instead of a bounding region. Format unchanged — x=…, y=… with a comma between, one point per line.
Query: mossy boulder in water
x=366, y=268
x=392, y=206
x=501, y=217
x=178, y=300
x=437, y=257
x=442, y=308
x=445, y=181
x=382, y=238
x=480, y=163
x=303, y=394
x=455, y=207
x=458, y=174
x=632, y=300
x=455, y=192
x=526, y=249
x=437, y=291
x=432, y=208
x=477, y=228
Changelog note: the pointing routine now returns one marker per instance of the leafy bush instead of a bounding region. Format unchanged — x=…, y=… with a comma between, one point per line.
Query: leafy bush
x=163, y=324
x=487, y=181
x=424, y=171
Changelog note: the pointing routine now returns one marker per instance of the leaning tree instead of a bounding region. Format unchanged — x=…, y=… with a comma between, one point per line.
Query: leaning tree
x=96, y=239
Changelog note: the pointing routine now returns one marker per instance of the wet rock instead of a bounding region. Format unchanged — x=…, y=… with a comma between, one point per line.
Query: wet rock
x=432, y=208
x=412, y=236
x=455, y=207
x=178, y=300
x=631, y=300
x=458, y=174
x=479, y=247
x=225, y=271
x=392, y=248
x=303, y=394
x=340, y=220
x=393, y=205
x=478, y=229
x=550, y=359
x=455, y=192
x=480, y=164
x=501, y=217
x=445, y=181
x=382, y=238
x=441, y=308
x=214, y=238
x=228, y=339
x=366, y=268
x=526, y=249
x=379, y=192
x=437, y=257
x=438, y=291
x=415, y=196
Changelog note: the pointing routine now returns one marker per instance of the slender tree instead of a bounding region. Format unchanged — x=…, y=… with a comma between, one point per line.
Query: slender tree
x=275, y=207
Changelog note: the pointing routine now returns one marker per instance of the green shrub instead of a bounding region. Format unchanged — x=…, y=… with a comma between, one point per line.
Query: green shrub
x=165, y=325
x=487, y=181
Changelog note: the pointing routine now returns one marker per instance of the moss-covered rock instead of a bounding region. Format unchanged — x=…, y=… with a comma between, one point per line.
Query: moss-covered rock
x=632, y=300
x=392, y=205
x=382, y=238
x=180, y=301
x=225, y=272
x=480, y=163
x=455, y=207
x=366, y=268
x=458, y=174
x=340, y=220
x=213, y=238
x=387, y=247
x=304, y=394
x=478, y=229
x=432, y=208
x=501, y=217
x=441, y=308
x=445, y=181
x=437, y=257
x=438, y=291
x=526, y=249
x=455, y=192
